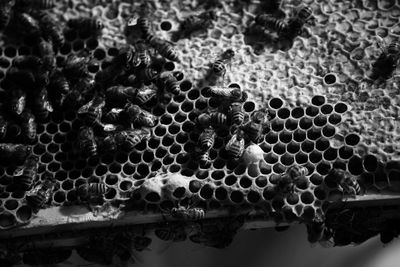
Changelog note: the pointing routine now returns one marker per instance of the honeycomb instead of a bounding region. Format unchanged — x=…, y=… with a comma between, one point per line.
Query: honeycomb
x=323, y=115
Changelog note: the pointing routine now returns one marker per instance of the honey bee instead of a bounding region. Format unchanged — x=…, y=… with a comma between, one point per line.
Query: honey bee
x=35, y=4
x=59, y=83
x=131, y=137
x=51, y=29
x=169, y=83
x=28, y=24
x=87, y=25
x=163, y=47
x=3, y=127
x=41, y=193
x=86, y=142
x=72, y=100
x=318, y=232
x=14, y=153
x=347, y=183
x=296, y=171
x=174, y=233
x=107, y=76
x=146, y=74
x=236, y=112
x=233, y=94
x=26, y=174
x=145, y=95
x=28, y=126
x=89, y=190
x=5, y=13
x=235, y=146
x=118, y=95
x=91, y=112
x=295, y=25
x=47, y=54
x=218, y=119
x=219, y=66
x=142, y=56
x=272, y=23
x=206, y=139
x=187, y=213
x=27, y=62
x=139, y=116
x=194, y=23
x=203, y=120
x=292, y=178
x=114, y=116
x=144, y=25
x=124, y=60
x=41, y=106
x=387, y=61
x=253, y=131
x=204, y=159
x=76, y=68
x=17, y=101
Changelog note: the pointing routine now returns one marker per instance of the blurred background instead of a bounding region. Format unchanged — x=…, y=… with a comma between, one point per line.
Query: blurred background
x=262, y=248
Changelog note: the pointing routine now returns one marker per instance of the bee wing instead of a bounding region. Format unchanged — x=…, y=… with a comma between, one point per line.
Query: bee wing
x=110, y=128
x=380, y=43
x=18, y=171
x=85, y=108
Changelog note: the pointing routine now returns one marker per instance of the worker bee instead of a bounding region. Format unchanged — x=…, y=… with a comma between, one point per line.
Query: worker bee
x=28, y=24
x=219, y=66
x=142, y=56
x=146, y=74
x=163, y=47
x=293, y=178
x=72, y=100
x=124, y=60
x=46, y=257
x=40, y=194
x=114, y=116
x=145, y=95
x=91, y=112
x=131, y=137
x=5, y=13
x=59, y=83
x=76, y=68
x=187, y=213
x=218, y=119
x=295, y=25
x=86, y=25
x=51, y=29
x=139, y=116
x=272, y=23
x=17, y=101
x=41, y=106
x=233, y=94
x=28, y=126
x=118, y=95
x=318, y=232
x=26, y=174
x=27, y=62
x=47, y=54
x=4, y=124
x=89, y=190
x=175, y=233
x=203, y=120
x=86, y=142
x=206, y=139
x=169, y=83
x=236, y=112
x=204, y=158
x=347, y=183
x=296, y=171
x=35, y=4
x=253, y=131
x=235, y=145
x=387, y=61
x=14, y=153
x=194, y=23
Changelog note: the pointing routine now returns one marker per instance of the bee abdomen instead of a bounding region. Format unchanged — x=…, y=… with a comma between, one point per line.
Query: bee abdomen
x=172, y=85
x=144, y=25
x=86, y=24
x=218, y=119
x=204, y=159
x=219, y=68
x=97, y=189
x=42, y=4
x=272, y=23
x=206, y=139
x=36, y=200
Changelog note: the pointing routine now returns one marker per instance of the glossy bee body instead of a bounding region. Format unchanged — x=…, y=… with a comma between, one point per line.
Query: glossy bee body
x=172, y=233
x=28, y=126
x=131, y=137
x=169, y=83
x=114, y=116
x=47, y=54
x=219, y=66
x=28, y=23
x=296, y=24
x=145, y=95
x=86, y=142
x=90, y=25
x=26, y=174
x=17, y=101
x=76, y=68
x=14, y=153
x=91, y=112
x=41, y=106
x=40, y=194
x=347, y=183
x=59, y=83
x=293, y=178
x=27, y=62
x=388, y=60
x=118, y=95
x=142, y=56
x=204, y=159
x=146, y=74
x=204, y=120
x=236, y=112
x=5, y=13
x=92, y=190
x=144, y=25
x=3, y=127
x=253, y=131
x=262, y=117
x=235, y=145
x=199, y=22
x=315, y=231
x=139, y=116
x=218, y=119
x=187, y=214
x=272, y=23
x=296, y=171
x=51, y=29
x=163, y=47
x=233, y=94
x=206, y=139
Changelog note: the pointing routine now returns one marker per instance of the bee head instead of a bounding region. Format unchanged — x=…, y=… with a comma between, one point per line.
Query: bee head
x=99, y=24
x=229, y=53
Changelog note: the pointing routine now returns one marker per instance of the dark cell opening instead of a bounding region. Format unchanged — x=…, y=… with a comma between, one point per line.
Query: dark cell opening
x=341, y=107
x=249, y=106
x=355, y=166
x=370, y=163
x=230, y=180
x=291, y=124
x=277, y=125
x=179, y=192
x=143, y=170
x=299, y=135
x=187, y=106
x=293, y=147
x=169, y=66
x=318, y=100
x=261, y=181
x=314, y=133
x=24, y=213
x=330, y=78
x=271, y=138
x=322, y=144
x=186, y=85
x=312, y=111
x=165, y=25
x=206, y=192
x=301, y=158
x=326, y=109
x=153, y=197
x=271, y=158
x=59, y=197
x=345, y=152
x=174, y=168
x=283, y=113
x=320, y=120
x=330, y=154
x=245, y=182
x=78, y=45
x=237, y=197
x=315, y=156
x=194, y=186
x=352, y=139
x=323, y=167
x=305, y=123
x=319, y=193
x=287, y=159
x=201, y=103
x=297, y=112
x=335, y=119
x=285, y=137
x=279, y=148
x=328, y=131
x=91, y=44
x=253, y=196
x=276, y=103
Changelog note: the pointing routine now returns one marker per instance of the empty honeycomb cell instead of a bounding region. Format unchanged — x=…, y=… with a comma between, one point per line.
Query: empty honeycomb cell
x=307, y=197
x=165, y=25
x=249, y=106
x=283, y=113
x=11, y=204
x=312, y=111
x=278, y=168
x=61, y=175
x=315, y=156
x=240, y=169
x=128, y=169
x=277, y=125
x=186, y=85
x=167, y=160
x=285, y=136
x=275, y=103
x=236, y=197
x=92, y=44
x=279, y=148
x=314, y=133
x=172, y=108
x=324, y=167
x=174, y=128
x=160, y=130
x=152, y=197
x=87, y=172
x=297, y=112
x=277, y=203
x=214, y=102
x=115, y=168
x=143, y=169
x=318, y=100
x=355, y=165
x=316, y=179
x=169, y=66
x=67, y=185
x=287, y=159
x=45, y=138
x=292, y=198
x=59, y=197
x=194, y=95
x=330, y=79
x=174, y=168
x=305, y=123
x=99, y=53
x=265, y=147
x=46, y=158
x=202, y=174
x=206, y=192
x=293, y=147
x=301, y=158
x=4, y=62
x=245, y=182
x=335, y=118
x=167, y=140
x=261, y=181
x=299, y=135
x=341, y=107
x=271, y=158
x=189, y=147
x=125, y=185
x=345, y=152
x=271, y=138
x=221, y=193
x=307, y=146
x=352, y=139
x=7, y=220
x=205, y=91
x=326, y=109
x=320, y=193
x=370, y=163
x=78, y=45
x=219, y=163
x=328, y=131
x=10, y=51
x=322, y=144
x=291, y=124
x=24, y=51
x=320, y=120
x=166, y=119
x=18, y=194
x=253, y=197
x=186, y=106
